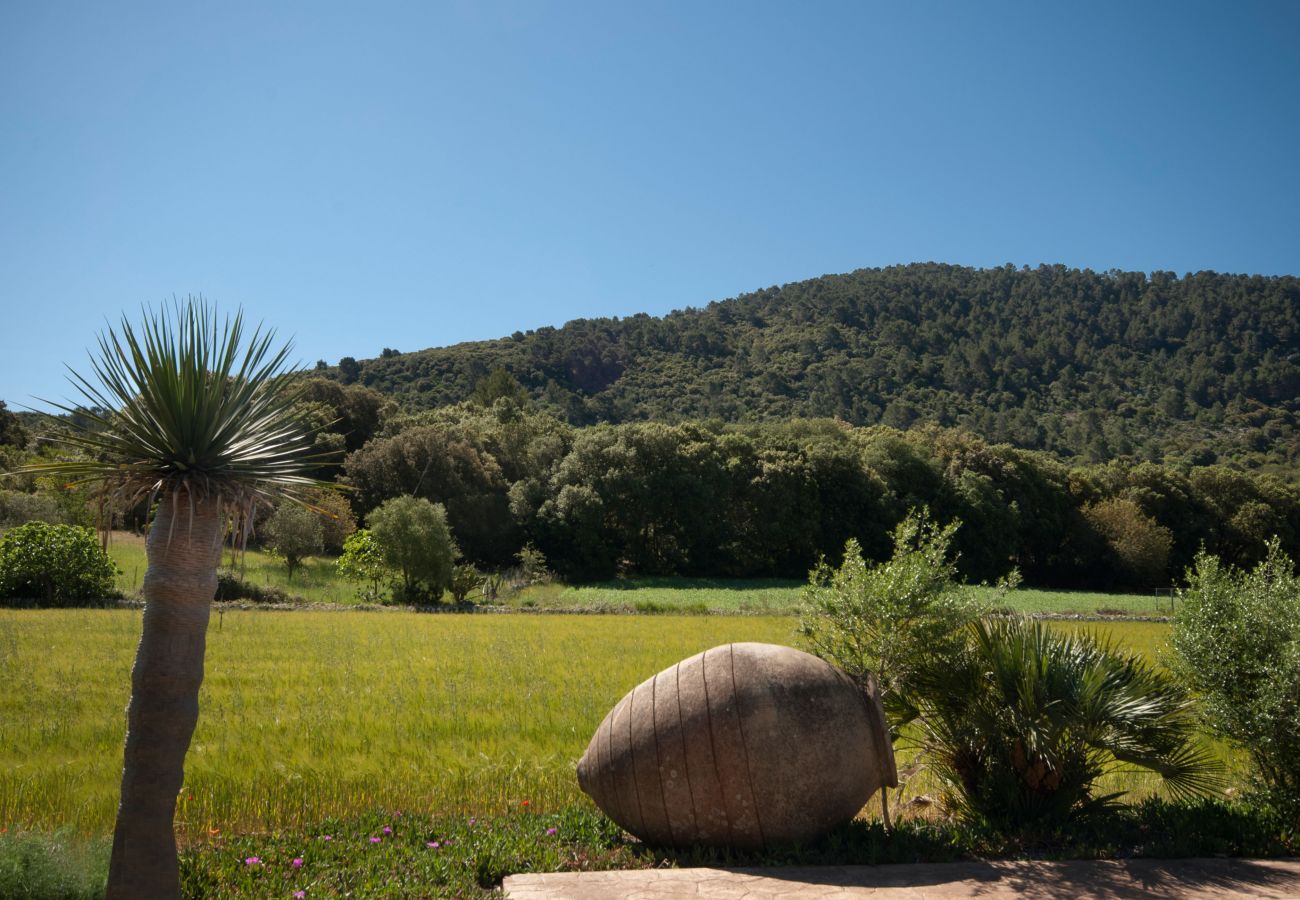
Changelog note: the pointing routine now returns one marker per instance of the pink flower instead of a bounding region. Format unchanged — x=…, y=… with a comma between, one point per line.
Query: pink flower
x=432, y=845
x=387, y=830
x=299, y=894
x=297, y=862
x=375, y=840
x=329, y=837
x=550, y=831
x=253, y=861
x=473, y=822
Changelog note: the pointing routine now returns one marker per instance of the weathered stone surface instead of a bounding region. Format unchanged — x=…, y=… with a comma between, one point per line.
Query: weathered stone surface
x=744, y=745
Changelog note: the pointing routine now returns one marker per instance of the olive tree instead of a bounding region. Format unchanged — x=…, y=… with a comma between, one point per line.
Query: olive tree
x=294, y=533
x=413, y=536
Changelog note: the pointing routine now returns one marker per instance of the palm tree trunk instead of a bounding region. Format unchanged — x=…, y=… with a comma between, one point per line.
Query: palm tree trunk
x=183, y=551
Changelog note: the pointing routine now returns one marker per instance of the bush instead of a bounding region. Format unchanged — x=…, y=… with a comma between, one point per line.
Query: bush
x=231, y=587
x=55, y=565
x=887, y=619
x=1023, y=721
x=1237, y=636
x=464, y=578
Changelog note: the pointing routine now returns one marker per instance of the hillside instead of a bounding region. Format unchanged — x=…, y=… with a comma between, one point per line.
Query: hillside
x=1087, y=365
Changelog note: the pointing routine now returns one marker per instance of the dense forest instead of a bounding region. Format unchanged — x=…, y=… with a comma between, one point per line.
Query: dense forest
x=1089, y=366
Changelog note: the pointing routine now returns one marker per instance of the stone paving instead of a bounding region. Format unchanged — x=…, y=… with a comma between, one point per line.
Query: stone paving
x=1184, y=879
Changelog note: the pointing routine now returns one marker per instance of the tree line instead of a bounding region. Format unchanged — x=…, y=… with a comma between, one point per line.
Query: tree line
x=705, y=498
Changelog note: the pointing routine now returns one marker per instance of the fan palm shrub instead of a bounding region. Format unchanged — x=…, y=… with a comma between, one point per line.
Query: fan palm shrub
x=1023, y=721
x=192, y=412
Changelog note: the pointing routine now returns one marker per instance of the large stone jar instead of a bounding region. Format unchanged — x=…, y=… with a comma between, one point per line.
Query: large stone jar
x=744, y=746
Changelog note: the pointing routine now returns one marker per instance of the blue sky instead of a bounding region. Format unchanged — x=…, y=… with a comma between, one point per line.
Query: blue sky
x=409, y=175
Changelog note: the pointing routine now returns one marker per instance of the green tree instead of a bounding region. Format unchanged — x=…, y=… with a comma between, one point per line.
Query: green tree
x=500, y=385
x=1139, y=545
x=363, y=560
x=192, y=410
x=294, y=533
x=1237, y=636
x=445, y=463
x=413, y=536
x=54, y=565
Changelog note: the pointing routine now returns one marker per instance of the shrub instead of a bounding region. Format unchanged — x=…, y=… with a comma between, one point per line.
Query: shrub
x=1023, y=721
x=231, y=587
x=464, y=578
x=294, y=533
x=887, y=619
x=56, y=565
x=413, y=536
x=1237, y=638
x=18, y=508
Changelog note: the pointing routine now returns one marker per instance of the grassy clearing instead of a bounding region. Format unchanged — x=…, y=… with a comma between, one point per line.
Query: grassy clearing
x=774, y=598
x=315, y=582
x=318, y=582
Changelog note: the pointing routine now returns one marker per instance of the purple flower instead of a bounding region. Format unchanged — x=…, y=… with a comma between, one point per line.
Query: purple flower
x=375, y=840
x=299, y=894
x=432, y=845
x=253, y=861
x=329, y=837
x=297, y=862
x=473, y=822
x=387, y=830
x=550, y=831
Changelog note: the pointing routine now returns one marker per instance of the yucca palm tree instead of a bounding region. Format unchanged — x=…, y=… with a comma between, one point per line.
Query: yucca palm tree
x=1023, y=722
x=201, y=419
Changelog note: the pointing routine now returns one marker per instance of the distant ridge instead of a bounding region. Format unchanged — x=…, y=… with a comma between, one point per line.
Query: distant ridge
x=1085, y=364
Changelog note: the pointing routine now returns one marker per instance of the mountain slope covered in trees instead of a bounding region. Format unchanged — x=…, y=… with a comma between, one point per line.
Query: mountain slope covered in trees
x=1088, y=365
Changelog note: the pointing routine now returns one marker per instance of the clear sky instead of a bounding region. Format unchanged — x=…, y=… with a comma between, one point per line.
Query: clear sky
x=407, y=175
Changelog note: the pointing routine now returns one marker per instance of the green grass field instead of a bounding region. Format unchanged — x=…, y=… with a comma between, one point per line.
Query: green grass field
x=310, y=714
x=313, y=714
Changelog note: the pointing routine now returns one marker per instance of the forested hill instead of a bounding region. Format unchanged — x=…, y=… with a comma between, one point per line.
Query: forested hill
x=1088, y=365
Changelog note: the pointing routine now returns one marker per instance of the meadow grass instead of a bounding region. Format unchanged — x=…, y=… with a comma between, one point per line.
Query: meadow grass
x=312, y=714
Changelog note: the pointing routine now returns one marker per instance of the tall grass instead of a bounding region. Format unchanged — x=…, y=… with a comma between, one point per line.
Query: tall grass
x=315, y=714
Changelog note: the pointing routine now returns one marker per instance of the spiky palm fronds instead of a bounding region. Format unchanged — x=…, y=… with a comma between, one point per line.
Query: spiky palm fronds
x=185, y=405
x=1025, y=720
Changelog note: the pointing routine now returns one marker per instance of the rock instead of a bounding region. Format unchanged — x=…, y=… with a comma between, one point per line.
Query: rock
x=744, y=746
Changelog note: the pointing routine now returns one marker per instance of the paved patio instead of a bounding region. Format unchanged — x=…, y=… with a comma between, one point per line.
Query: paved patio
x=1185, y=879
